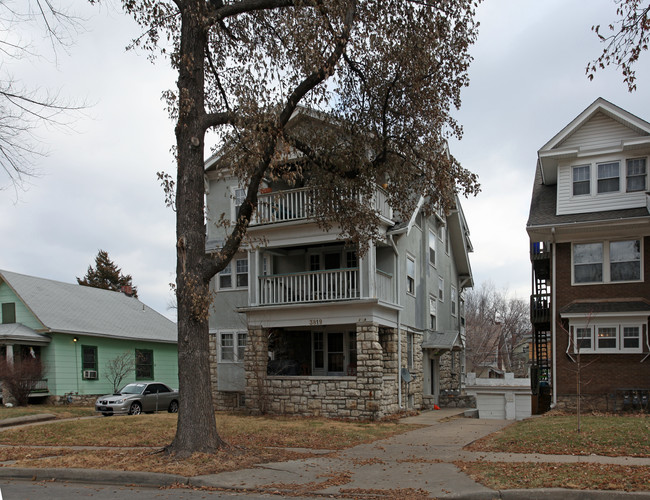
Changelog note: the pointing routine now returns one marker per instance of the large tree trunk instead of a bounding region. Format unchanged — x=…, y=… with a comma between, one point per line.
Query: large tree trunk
x=196, y=430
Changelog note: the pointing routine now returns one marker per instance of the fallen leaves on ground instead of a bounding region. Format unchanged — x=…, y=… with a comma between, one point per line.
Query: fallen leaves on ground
x=607, y=435
x=581, y=476
x=145, y=460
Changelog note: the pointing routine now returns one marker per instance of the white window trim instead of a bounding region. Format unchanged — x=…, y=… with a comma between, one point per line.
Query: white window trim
x=441, y=289
x=607, y=263
x=591, y=190
x=595, y=325
x=645, y=188
x=454, y=301
x=236, y=335
x=598, y=164
x=233, y=276
x=412, y=259
x=434, y=264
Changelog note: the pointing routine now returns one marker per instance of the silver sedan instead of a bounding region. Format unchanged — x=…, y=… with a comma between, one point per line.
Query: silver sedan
x=139, y=397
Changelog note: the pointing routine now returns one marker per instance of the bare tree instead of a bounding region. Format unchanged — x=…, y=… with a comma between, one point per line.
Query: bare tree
x=21, y=377
x=118, y=368
x=23, y=107
x=497, y=329
x=384, y=76
x=624, y=40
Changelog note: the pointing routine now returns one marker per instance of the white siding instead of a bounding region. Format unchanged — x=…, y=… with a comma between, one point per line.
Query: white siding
x=594, y=202
x=600, y=130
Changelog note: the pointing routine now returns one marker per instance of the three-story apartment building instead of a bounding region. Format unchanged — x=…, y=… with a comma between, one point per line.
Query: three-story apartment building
x=589, y=228
x=304, y=324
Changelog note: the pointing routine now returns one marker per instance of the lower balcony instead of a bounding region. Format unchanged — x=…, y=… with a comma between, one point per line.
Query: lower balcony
x=320, y=286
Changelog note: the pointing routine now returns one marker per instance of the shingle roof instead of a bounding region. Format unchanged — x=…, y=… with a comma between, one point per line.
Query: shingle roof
x=71, y=308
x=604, y=307
x=21, y=333
x=441, y=340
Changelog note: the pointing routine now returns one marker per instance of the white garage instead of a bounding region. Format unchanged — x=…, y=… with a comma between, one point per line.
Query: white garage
x=507, y=399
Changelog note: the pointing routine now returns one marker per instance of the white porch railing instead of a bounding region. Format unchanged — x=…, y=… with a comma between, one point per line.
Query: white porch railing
x=296, y=204
x=315, y=286
x=384, y=286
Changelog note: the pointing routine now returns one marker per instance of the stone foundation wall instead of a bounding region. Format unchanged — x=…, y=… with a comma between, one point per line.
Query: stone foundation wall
x=588, y=403
x=450, y=371
x=457, y=401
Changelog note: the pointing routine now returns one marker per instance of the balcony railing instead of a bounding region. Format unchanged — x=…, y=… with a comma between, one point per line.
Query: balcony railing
x=297, y=204
x=540, y=308
x=315, y=286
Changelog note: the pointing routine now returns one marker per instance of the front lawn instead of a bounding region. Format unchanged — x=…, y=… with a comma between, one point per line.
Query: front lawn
x=252, y=440
x=64, y=411
x=611, y=436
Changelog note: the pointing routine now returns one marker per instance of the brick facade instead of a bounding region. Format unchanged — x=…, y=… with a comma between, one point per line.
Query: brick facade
x=601, y=373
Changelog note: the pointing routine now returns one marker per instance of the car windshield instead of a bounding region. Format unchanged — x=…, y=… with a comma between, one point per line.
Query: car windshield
x=133, y=389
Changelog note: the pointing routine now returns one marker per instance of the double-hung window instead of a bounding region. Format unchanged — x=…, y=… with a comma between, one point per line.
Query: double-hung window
x=144, y=364
x=232, y=346
x=240, y=280
x=239, y=195
x=432, y=247
x=636, y=175
x=583, y=338
x=454, y=301
x=588, y=263
x=441, y=289
x=581, y=180
x=410, y=275
x=8, y=312
x=433, y=312
x=89, y=361
x=625, y=260
x=608, y=177
x=631, y=337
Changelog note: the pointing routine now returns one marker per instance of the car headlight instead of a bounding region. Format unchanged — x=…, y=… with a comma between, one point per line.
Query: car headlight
x=118, y=401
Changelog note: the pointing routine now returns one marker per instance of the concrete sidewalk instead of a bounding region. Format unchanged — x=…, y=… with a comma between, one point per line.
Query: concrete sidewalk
x=419, y=461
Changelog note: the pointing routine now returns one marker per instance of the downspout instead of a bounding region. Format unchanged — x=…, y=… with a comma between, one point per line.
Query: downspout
x=553, y=325
x=399, y=326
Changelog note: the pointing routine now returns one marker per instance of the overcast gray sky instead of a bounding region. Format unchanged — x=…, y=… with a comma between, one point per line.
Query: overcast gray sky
x=97, y=187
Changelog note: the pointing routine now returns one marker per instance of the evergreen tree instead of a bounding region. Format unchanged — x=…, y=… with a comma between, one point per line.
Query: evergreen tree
x=107, y=275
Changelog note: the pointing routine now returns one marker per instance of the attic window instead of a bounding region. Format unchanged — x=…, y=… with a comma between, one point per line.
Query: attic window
x=608, y=177
x=8, y=313
x=581, y=180
x=636, y=175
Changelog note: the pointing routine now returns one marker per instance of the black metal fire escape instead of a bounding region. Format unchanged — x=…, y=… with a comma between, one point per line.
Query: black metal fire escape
x=540, y=317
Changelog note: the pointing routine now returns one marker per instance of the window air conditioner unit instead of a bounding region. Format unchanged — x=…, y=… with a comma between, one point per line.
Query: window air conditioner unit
x=90, y=374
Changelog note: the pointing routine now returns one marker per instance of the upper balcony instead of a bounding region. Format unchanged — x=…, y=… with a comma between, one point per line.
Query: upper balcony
x=297, y=204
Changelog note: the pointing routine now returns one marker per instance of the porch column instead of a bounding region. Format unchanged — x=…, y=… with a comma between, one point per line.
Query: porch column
x=10, y=355
x=255, y=364
x=370, y=371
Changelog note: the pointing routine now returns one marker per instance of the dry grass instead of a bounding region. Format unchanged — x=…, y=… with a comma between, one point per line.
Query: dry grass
x=134, y=443
x=609, y=435
x=65, y=411
x=581, y=476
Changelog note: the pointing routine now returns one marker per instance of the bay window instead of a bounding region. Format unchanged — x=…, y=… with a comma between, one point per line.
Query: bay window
x=608, y=336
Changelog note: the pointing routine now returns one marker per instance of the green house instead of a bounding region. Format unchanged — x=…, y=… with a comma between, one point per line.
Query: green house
x=77, y=330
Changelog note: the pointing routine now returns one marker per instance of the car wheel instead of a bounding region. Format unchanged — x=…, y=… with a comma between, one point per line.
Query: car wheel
x=173, y=407
x=136, y=409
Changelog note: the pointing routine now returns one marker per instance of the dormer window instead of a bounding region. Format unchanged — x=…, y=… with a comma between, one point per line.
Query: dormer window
x=581, y=180
x=636, y=175
x=608, y=177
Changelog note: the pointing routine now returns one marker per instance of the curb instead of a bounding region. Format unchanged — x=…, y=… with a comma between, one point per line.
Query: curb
x=158, y=480
x=27, y=419
x=95, y=476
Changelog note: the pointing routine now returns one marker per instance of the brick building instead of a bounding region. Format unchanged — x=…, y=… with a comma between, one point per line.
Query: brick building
x=589, y=228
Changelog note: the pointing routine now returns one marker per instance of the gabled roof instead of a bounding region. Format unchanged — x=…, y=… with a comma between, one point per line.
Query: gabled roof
x=561, y=146
x=75, y=309
x=15, y=332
